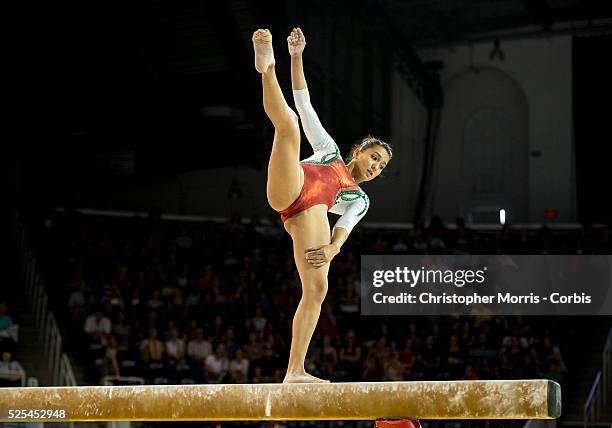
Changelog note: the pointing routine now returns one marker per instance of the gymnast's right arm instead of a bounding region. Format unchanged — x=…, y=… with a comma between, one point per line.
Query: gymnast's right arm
x=318, y=138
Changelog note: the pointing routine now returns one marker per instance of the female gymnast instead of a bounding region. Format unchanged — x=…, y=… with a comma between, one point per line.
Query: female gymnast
x=303, y=192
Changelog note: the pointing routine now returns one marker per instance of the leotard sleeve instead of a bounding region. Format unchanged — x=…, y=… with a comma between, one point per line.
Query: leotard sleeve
x=352, y=205
x=317, y=136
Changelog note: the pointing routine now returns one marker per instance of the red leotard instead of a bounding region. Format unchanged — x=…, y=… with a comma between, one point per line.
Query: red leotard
x=323, y=182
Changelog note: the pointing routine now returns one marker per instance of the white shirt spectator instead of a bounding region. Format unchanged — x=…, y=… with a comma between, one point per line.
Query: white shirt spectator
x=199, y=350
x=259, y=323
x=10, y=370
x=216, y=368
x=239, y=370
x=76, y=300
x=175, y=349
x=97, y=324
x=12, y=366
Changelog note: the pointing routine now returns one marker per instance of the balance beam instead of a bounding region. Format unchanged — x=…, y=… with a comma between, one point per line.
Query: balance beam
x=493, y=399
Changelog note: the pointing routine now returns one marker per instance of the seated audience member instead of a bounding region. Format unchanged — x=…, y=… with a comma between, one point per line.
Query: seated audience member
x=97, y=325
x=8, y=330
x=119, y=328
x=349, y=360
x=152, y=353
x=239, y=367
x=108, y=364
x=175, y=347
x=259, y=321
x=77, y=302
x=5, y=319
x=394, y=369
x=199, y=348
x=328, y=358
x=217, y=365
x=455, y=358
x=269, y=366
x=253, y=349
x=11, y=372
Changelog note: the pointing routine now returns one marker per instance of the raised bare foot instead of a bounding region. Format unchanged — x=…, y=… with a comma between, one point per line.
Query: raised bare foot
x=303, y=378
x=264, y=54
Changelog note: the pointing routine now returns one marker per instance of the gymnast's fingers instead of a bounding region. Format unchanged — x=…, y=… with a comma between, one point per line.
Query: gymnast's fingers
x=315, y=255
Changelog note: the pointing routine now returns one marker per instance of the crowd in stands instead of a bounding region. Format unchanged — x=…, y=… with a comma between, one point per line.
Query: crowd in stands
x=172, y=302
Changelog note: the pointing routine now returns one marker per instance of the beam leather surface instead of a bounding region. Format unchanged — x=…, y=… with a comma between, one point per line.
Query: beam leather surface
x=507, y=399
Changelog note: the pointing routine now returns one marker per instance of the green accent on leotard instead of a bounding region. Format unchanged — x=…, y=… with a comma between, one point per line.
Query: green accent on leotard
x=353, y=195
x=326, y=159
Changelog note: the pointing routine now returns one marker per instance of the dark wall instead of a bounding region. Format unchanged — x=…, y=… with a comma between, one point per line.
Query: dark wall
x=593, y=126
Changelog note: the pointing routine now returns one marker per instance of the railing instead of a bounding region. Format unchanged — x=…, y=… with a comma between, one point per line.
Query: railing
x=607, y=367
x=598, y=397
x=594, y=402
x=58, y=362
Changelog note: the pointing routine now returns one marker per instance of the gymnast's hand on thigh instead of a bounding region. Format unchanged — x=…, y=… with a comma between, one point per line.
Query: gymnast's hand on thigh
x=318, y=256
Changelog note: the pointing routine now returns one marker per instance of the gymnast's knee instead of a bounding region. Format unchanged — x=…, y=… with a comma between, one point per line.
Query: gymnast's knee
x=290, y=125
x=315, y=291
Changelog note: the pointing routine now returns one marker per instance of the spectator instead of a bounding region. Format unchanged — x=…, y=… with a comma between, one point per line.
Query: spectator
x=11, y=372
x=152, y=349
x=199, y=348
x=8, y=330
x=514, y=351
x=259, y=321
x=408, y=358
x=77, y=301
x=239, y=367
x=184, y=241
x=350, y=357
x=108, y=364
x=455, y=358
x=155, y=302
x=254, y=349
x=373, y=369
x=551, y=353
x=528, y=368
x=429, y=358
x=97, y=325
x=120, y=329
x=269, y=366
x=183, y=280
x=483, y=355
x=175, y=347
x=470, y=373
x=505, y=370
x=273, y=339
x=5, y=320
x=553, y=372
x=217, y=365
x=328, y=358
x=328, y=322
x=394, y=369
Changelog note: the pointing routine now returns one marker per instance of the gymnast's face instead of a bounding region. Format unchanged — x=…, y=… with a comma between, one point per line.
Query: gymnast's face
x=370, y=162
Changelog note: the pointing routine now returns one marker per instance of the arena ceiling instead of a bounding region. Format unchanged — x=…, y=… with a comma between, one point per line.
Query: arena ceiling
x=167, y=78
x=442, y=22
